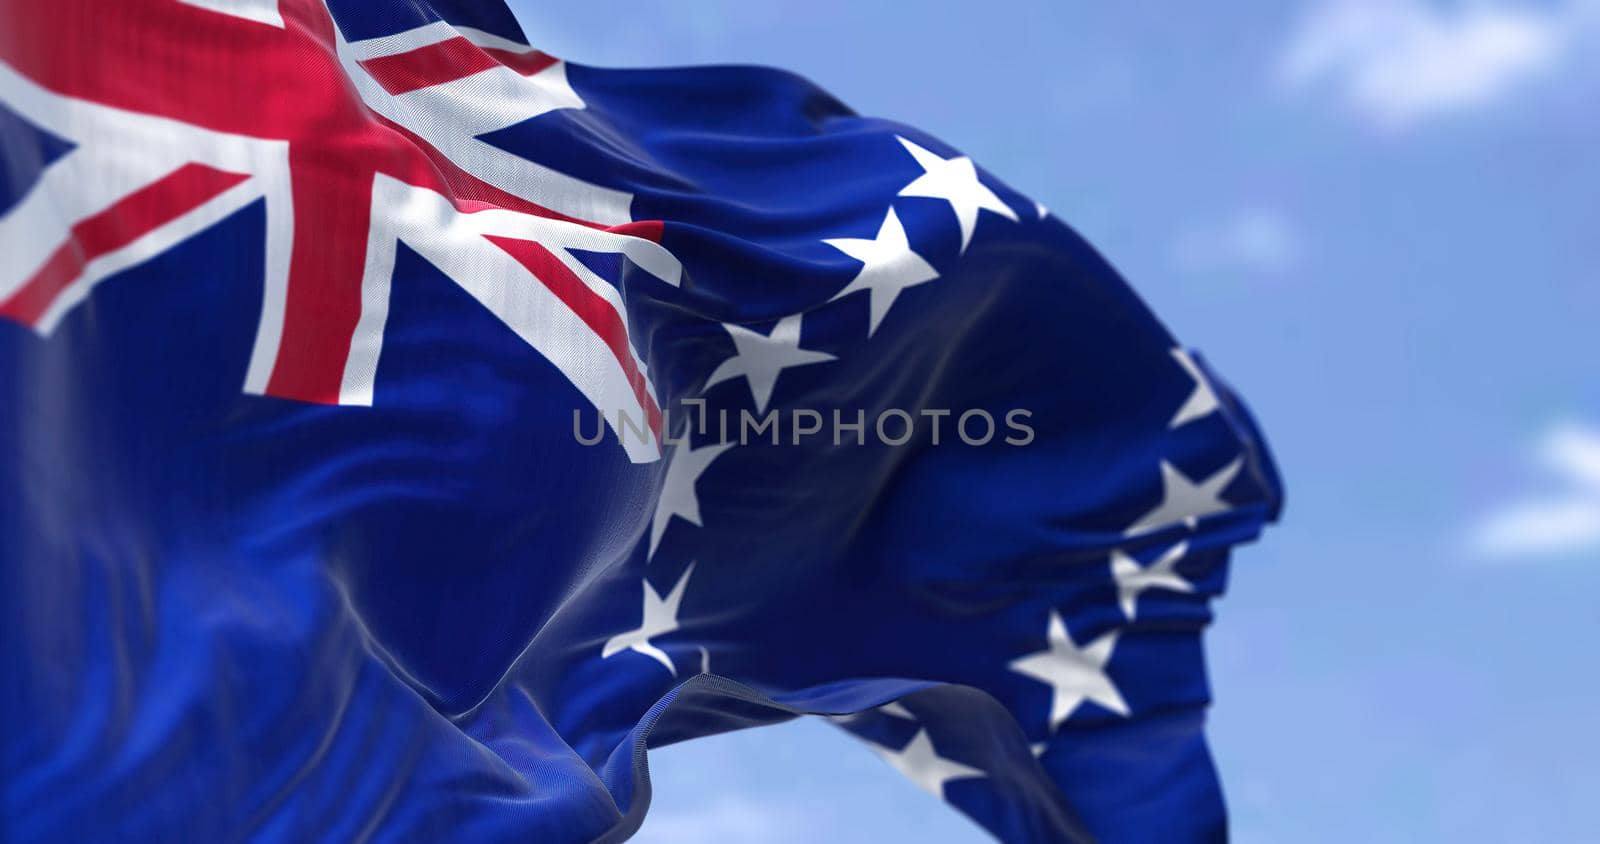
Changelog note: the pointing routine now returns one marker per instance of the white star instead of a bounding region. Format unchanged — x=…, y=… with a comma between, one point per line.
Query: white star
x=924, y=766
x=1074, y=674
x=954, y=180
x=660, y=618
x=761, y=357
x=888, y=267
x=1133, y=578
x=1038, y=208
x=1202, y=401
x=678, y=497
x=1183, y=500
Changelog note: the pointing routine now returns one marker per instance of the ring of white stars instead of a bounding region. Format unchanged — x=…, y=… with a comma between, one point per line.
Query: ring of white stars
x=660, y=617
x=1073, y=674
x=889, y=266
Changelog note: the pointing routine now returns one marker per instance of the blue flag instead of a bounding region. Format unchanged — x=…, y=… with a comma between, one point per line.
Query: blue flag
x=404, y=429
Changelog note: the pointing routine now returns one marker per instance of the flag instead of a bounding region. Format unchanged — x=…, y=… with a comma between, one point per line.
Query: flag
x=404, y=429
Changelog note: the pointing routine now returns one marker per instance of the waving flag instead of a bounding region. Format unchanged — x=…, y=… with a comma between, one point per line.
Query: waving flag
x=404, y=429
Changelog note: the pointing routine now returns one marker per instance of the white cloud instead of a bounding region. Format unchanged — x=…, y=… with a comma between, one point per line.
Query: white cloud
x=1399, y=61
x=1566, y=521
x=1253, y=241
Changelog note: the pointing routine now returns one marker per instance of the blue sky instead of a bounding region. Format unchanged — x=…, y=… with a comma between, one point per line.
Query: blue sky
x=1378, y=220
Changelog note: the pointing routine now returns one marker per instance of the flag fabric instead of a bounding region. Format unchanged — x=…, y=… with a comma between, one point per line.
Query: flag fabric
x=404, y=429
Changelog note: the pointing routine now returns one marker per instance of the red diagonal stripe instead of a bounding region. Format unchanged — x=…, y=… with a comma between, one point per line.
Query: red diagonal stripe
x=527, y=63
x=447, y=61
x=132, y=217
x=435, y=64
x=595, y=312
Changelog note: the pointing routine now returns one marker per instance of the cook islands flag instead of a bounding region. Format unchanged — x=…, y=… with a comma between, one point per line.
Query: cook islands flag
x=403, y=430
